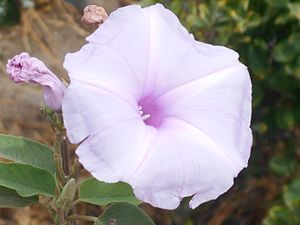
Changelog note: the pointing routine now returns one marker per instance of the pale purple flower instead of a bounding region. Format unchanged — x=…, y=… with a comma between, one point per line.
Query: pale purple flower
x=157, y=109
x=23, y=68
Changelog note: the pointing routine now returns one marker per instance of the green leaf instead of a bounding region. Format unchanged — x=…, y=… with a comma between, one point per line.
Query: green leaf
x=27, y=180
x=283, y=165
x=189, y=222
x=9, y=12
x=257, y=60
x=100, y=193
x=10, y=199
x=278, y=215
x=124, y=214
x=278, y=3
x=288, y=49
x=288, y=212
x=292, y=193
x=294, y=8
x=26, y=151
x=285, y=118
x=258, y=95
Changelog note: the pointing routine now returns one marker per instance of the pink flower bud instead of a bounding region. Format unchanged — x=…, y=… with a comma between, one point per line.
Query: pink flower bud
x=23, y=68
x=93, y=14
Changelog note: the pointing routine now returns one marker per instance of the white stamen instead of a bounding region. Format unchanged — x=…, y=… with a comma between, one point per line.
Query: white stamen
x=140, y=108
x=145, y=117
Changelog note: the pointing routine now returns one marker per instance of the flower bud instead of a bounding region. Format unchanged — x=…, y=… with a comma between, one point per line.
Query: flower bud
x=93, y=14
x=67, y=195
x=25, y=69
x=69, y=190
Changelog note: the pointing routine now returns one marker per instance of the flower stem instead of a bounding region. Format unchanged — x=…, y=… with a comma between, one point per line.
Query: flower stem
x=82, y=218
x=59, y=170
x=75, y=203
x=65, y=155
x=61, y=216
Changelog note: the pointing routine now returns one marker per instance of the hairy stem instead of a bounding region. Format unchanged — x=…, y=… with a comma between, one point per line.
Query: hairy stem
x=75, y=203
x=59, y=170
x=61, y=217
x=82, y=218
x=62, y=165
x=65, y=154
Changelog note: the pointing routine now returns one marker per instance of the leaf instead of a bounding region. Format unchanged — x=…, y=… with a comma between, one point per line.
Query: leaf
x=288, y=212
x=258, y=95
x=189, y=222
x=26, y=151
x=278, y=3
x=294, y=8
x=278, y=215
x=288, y=49
x=27, y=180
x=292, y=193
x=282, y=165
x=9, y=12
x=285, y=118
x=10, y=199
x=124, y=214
x=100, y=193
x=257, y=60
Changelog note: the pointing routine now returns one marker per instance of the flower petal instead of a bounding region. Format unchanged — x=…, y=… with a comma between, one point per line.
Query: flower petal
x=181, y=162
x=103, y=64
x=111, y=154
x=175, y=56
x=89, y=107
x=193, y=63
x=117, y=51
x=141, y=49
x=220, y=106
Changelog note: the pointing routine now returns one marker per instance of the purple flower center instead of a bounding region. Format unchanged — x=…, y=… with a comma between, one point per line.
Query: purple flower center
x=151, y=111
x=18, y=66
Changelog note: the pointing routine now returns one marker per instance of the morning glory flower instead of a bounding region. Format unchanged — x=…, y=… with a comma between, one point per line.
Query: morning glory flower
x=155, y=108
x=23, y=68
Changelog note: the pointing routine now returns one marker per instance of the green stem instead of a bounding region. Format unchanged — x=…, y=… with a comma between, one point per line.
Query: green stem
x=59, y=170
x=61, y=216
x=65, y=155
x=76, y=167
x=82, y=218
x=60, y=158
x=57, y=141
x=75, y=203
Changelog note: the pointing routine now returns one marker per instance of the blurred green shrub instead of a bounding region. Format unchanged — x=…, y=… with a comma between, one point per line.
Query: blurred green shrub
x=9, y=12
x=288, y=212
x=266, y=33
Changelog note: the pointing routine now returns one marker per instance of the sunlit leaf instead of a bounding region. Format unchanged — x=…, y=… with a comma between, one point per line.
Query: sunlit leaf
x=23, y=150
x=10, y=199
x=100, y=193
x=124, y=214
x=27, y=180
